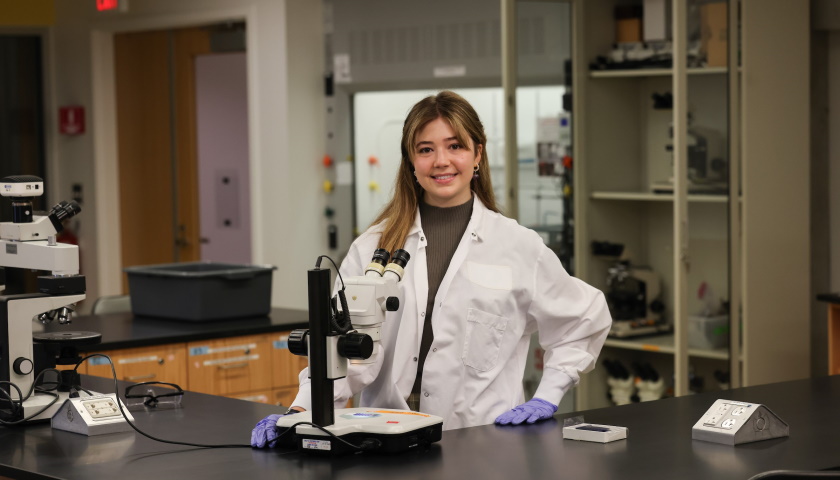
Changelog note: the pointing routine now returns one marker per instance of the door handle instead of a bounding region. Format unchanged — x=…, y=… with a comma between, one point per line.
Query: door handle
x=181, y=239
x=231, y=366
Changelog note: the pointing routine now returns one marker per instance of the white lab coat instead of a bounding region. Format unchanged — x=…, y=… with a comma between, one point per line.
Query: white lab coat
x=502, y=284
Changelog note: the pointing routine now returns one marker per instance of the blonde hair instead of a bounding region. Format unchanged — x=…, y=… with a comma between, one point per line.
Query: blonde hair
x=398, y=215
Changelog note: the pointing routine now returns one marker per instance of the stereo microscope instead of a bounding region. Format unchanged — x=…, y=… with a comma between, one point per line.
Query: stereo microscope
x=336, y=336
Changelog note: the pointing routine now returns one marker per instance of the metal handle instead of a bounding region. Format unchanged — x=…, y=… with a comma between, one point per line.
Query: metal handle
x=233, y=365
x=181, y=238
x=139, y=377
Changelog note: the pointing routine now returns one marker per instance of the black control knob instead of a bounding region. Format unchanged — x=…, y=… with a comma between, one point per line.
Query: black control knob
x=22, y=366
x=657, y=306
x=355, y=345
x=298, y=344
x=392, y=304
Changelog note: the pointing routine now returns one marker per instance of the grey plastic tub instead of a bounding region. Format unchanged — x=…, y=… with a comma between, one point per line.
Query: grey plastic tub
x=200, y=291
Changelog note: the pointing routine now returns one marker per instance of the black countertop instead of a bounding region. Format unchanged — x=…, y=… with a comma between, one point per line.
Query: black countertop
x=124, y=330
x=659, y=444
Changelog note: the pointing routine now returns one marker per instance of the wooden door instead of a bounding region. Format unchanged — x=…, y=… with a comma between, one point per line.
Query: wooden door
x=157, y=145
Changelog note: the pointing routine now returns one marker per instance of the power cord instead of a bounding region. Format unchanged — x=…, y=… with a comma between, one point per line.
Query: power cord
x=340, y=320
x=17, y=405
x=369, y=444
x=119, y=404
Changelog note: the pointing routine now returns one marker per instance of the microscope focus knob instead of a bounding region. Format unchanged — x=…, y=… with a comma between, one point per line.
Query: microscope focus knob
x=22, y=366
x=392, y=304
x=297, y=342
x=355, y=345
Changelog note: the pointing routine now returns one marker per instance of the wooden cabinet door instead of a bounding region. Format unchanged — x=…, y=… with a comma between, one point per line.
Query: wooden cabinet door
x=230, y=366
x=165, y=363
x=285, y=366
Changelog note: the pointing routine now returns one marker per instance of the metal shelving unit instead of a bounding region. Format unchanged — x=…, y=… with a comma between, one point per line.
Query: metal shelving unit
x=729, y=240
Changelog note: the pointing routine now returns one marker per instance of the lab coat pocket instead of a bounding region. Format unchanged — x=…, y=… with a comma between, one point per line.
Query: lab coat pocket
x=483, y=339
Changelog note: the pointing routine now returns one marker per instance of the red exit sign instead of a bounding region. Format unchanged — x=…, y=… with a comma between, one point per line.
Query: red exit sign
x=105, y=5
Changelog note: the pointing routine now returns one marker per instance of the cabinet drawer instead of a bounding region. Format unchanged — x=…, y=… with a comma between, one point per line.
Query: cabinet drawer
x=146, y=364
x=284, y=396
x=230, y=366
x=285, y=366
x=262, y=396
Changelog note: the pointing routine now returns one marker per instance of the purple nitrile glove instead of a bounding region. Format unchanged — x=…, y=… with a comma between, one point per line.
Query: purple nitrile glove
x=265, y=433
x=532, y=411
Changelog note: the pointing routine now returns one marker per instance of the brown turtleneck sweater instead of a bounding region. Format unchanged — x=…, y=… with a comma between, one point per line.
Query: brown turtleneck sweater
x=443, y=228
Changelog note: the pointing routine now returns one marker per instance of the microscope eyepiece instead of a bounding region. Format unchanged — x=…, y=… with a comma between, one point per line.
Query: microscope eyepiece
x=381, y=256
x=377, y=264
x=62, y=211
x=397, y=265
x=401, y=258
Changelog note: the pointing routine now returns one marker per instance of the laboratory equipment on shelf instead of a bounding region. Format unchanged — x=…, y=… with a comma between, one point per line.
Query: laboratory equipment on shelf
x=351, y=333
x=634, y=298
x=29, y=243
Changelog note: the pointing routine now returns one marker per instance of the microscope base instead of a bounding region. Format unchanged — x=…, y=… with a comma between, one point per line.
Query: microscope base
x=36, y=403
x=385, y=430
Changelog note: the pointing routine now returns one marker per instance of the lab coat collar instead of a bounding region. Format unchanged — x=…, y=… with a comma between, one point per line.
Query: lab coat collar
x=474, y=226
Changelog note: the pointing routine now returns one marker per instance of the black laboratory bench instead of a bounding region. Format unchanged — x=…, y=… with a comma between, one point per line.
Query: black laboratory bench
x=658, y=446
x=124, y=330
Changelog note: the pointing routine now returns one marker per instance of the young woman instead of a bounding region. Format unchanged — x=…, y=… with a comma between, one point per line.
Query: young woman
x=477, y=286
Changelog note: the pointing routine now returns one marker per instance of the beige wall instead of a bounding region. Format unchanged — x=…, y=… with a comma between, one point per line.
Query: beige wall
x=285, y=68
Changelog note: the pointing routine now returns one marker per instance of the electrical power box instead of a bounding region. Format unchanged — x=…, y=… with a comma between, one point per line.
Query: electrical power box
x=733, y=423
x=94, y=415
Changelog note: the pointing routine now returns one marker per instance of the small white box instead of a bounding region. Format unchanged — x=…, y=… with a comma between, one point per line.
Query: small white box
x=591, y=432
x=657, y=20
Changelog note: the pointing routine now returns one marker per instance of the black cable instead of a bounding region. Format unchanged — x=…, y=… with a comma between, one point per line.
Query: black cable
x=17, y=405
x=318, y=265
x=374, y=443
x=46, y=407
x=119, y=404
x=348, y=325
x=340, y=322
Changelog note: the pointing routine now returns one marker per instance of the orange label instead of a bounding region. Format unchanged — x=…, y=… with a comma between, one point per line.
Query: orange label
x=401, y=413
x=650, y=348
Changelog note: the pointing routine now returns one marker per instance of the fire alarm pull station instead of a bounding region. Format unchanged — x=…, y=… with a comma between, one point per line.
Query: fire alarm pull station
x=71, y=120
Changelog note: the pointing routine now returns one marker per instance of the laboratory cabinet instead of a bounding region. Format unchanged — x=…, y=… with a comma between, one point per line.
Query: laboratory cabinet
x=256, y=368
x=676, y=158
x=165, y=363
x=230, y=366
x=285, y=366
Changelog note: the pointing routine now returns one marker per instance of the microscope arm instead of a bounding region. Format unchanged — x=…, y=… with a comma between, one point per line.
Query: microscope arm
x=20, y=310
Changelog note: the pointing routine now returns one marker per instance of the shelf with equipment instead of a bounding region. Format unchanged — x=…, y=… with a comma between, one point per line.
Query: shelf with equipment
x=656, y=72
x=681, y=166
x=664, y=344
